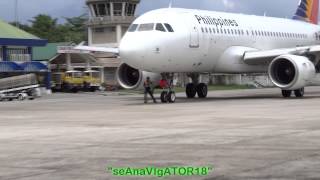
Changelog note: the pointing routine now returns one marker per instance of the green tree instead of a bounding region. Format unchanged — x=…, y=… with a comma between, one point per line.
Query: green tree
x=77, y=28
x=46, y=27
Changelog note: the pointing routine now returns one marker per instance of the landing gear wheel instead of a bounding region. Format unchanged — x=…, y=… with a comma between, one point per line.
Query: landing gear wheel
x=202, y=90
x=163, y=97
x=299, y=92
x=20, y=97
x=191, y=90
x=93, y=89
x=171, y=97
x=286, y=93
x=75, y=90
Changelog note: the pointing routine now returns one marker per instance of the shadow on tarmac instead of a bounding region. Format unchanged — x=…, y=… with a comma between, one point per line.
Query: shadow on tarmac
x=183, y=100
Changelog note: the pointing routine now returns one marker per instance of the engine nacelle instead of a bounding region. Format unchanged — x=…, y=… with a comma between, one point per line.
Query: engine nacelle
x=291, y=72
x=131, y=78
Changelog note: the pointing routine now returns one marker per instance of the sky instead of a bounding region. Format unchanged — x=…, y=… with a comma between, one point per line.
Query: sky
x=70, y=8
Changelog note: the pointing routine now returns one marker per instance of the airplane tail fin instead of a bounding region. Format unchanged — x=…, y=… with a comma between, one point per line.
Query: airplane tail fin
x=308, y=11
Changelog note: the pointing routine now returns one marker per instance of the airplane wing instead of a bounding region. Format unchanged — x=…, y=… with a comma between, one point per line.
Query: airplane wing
x=97, y=49
x=266, y=56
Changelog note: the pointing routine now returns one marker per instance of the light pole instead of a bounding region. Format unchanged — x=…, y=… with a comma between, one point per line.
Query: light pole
x=16, y=17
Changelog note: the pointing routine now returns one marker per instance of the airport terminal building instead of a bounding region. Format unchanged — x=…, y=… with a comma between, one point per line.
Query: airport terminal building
x=16, y=54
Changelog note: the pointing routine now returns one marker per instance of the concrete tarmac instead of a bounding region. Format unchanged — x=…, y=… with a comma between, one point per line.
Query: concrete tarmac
x=243, y=134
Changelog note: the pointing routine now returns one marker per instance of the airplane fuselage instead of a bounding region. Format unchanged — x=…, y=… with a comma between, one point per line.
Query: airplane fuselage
x=206, y=41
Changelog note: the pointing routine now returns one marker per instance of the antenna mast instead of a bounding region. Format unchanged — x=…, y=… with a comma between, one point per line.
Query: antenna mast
x=170, y=4
x=16, y=17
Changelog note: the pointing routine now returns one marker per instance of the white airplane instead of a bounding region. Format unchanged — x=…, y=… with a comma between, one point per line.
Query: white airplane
x=172, y=40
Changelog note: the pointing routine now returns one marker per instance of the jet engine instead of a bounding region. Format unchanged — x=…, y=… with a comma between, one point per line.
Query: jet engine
x=131, y=78
x=291, y=72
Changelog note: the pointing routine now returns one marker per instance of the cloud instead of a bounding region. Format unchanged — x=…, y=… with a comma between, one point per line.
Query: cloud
x=228, y=4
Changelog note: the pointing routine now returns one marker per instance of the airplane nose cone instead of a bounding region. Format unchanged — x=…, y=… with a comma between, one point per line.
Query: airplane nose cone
x=131, y=52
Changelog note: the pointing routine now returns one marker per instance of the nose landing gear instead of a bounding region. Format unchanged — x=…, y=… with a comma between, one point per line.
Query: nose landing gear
x=168, y=94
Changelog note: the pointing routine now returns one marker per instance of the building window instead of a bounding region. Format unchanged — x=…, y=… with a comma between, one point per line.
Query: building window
x=117, y=9
x=108, y=9
x=110, y=29
x=130, y=9
x=18, y=54
x=99, y=30
x=101, y=9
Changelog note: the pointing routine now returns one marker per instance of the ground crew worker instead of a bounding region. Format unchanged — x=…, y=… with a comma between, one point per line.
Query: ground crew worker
x=163, y=83
x=148, y=90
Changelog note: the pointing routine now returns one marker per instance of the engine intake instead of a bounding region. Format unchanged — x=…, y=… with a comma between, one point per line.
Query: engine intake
x=131, y=78
x=291, y=72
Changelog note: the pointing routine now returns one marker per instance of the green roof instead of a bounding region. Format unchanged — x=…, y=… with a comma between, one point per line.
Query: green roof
x=47, y=52
x=11, y=32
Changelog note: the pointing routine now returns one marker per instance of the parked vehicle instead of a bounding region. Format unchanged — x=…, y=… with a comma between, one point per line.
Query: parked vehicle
x=19, y=87
x=91, y=80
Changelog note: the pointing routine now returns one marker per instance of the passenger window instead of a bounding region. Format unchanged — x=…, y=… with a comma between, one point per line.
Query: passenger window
x=169, y=28
x=146, y=27
x=133, y=28
x=159, y=27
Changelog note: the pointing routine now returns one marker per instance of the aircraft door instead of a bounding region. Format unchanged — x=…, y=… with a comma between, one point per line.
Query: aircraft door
x=194, y=37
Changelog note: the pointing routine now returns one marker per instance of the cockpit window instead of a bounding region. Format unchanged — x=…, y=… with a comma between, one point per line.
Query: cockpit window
x=159, y=27
x=133, y=28
x=169, y=28
x=146, y=27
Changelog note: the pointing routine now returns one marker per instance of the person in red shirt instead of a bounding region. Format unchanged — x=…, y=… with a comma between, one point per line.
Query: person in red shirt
x=163, y=83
